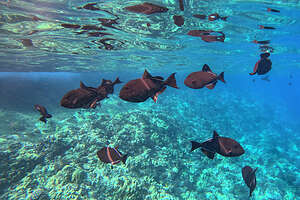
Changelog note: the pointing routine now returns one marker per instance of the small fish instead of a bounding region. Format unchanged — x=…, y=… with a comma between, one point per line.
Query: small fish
x=27, y=42
x=178, y=20
x=147, y=8
x=262, y=42
x=43, y=112
x=111, y=155
x=262, y=66
x=206, y=77
x=88, y=97
x=249, y=178
x=181, y=6
x=266, y=78
x=89, y=6
x=139, y=90
x=200, y=16
x=215, y=16
x=272, y=10
x=74, y=26
x=148, y=24
x=266, y=27
x=208, y=35
x=222, y=145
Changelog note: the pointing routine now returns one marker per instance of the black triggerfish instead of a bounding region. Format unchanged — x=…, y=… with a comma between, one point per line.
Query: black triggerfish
x=222, y=145
x=111, y=155
x=262, y=66
x=206, y=77
x=43, y=112
x=139, y=90
x=249, y=178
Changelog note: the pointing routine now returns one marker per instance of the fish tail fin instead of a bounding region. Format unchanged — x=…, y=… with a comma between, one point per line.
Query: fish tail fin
x=171, y=81
x=221, y=77
x=195, y=145
x=43, y=119
x=124, y=158
x=117, y=81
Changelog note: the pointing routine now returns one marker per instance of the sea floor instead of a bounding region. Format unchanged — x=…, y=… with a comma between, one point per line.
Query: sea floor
x=58, y=160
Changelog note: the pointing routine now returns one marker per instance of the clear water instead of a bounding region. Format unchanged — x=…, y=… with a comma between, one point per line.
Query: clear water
x=58, y=160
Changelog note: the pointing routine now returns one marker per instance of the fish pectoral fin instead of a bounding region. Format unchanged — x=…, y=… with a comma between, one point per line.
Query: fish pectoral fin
x=209, y=154
x=211, y=85
x=155, y=98
x=158, y=93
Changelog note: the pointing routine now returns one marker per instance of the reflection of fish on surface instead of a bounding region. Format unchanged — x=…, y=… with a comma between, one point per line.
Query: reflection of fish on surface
x=266, y=78
x=249, y=177
x=88, y=97
x=266, y=27
x=147, y=8
x=178, y=20
x=272, y=10
x=262, y=66
x=208, y=35
x=261, y=41
x=216, y=16
x=43, y=112
x=222, y=145
x=139, y=90
x=111, y=155
x=204, y=78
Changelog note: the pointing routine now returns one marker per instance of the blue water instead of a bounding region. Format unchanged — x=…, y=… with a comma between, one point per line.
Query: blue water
x=58, y=160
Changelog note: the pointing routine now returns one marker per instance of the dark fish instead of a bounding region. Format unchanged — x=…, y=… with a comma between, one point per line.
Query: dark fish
x=89, y=6
x=206, y=77
x=111, y=155
x=98, y=34
x=139, y=90
x=107, y=46
x=249, y=178
x=88, y=97
x=178, y=20
x=272, y=10
x=262, y=42
x=262, y=66
x=147, y=8
x=27, y=42
x=200, y=16
x=181, y=6
x=208, y=35
x=266, y=78
x=148, y=24
x=215, y=16
x=266, y=27
x=74, y=26
x=43, y=112
x=92, y=27
x=222, y=145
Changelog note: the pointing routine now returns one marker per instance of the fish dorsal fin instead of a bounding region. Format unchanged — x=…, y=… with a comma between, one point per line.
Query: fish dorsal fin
x=206, y=68
x=215, y=135
x=82, y=85
x=146, y=75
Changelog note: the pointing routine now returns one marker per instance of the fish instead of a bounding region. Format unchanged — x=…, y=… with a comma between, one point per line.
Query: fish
x=89, y=6
x=181, y=6
x=208, y=35
x=200, y=16
x=92, y=27
x=261, y=42
x=74, y=26
x=88, y=97
x=262, y=66
x=204, y=78
x=178, y=20
x=27, y=42
x=139, y=90
x=43, y=112
x=147, y=8
x=224, y=146
x=249, y=177
x=266, y=27
x=272, y=10
x=215, y=16
x=111, y=155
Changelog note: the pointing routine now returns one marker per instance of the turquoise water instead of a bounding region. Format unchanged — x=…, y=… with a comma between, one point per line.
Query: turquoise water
x=58, y=160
